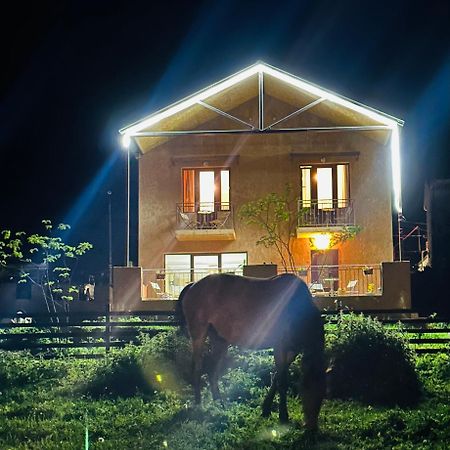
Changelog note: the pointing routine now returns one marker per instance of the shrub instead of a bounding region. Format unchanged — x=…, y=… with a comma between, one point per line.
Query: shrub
x=239, y=385
x=371, y=363
x=22, y=368
x=259, y=364
x=169, y=351
x=156, y=364
x=118, y=375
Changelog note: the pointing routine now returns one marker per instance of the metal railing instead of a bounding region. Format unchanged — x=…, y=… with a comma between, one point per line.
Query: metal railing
x=325, y=280
x=328, y=213
x=201, y=216
x=343, y=280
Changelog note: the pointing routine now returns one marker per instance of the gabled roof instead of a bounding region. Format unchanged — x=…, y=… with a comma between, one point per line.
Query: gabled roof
x=189, y=115
x=257, y=69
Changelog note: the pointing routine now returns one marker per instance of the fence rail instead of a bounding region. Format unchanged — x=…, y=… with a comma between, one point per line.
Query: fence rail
x=108, y=331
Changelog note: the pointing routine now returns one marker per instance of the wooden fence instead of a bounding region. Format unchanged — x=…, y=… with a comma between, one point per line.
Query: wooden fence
x=42, y=334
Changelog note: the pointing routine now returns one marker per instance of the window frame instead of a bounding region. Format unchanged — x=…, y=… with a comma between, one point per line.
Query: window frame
x=218, y=204
x=218, y=254
x=334, y=179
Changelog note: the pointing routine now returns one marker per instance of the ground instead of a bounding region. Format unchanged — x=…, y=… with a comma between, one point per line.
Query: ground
x=46, y=406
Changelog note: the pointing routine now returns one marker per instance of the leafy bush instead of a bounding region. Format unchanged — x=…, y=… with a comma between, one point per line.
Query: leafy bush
x=118, y=375
x=21, y=368
x=371, y=363
x=156, y=364
x=239, y=385
x=168, y=351
x=259, y=364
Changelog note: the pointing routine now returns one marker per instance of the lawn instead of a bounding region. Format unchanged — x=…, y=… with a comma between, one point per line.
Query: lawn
x=139, y=399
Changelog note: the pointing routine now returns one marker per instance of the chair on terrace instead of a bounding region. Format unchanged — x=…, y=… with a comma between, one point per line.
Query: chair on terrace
x=352, y=287
x=316, y=287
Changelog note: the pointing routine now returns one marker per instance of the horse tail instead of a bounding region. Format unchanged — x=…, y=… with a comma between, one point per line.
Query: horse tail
x=179, y=308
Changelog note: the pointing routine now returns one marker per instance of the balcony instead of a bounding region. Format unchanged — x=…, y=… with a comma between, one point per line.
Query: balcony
x=205, y=222
x=324, y=216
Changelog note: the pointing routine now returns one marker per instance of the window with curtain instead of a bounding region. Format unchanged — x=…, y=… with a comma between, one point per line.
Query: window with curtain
x=328, y=185
x=206, y=188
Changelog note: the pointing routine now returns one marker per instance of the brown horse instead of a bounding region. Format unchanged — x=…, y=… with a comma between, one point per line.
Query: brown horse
x=256, y=313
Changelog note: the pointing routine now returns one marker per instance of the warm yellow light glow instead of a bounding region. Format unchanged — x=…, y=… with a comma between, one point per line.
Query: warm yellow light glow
x=321, y=241
x=158, y=378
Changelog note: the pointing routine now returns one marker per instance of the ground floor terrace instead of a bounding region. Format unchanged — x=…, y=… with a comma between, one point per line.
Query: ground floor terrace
x=354, y=286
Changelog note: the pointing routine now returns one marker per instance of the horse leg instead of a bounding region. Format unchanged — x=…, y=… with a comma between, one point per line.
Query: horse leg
x=268, y=400
x=314, y=387
x=197, y=353
x=283, y=359
x=219, y=350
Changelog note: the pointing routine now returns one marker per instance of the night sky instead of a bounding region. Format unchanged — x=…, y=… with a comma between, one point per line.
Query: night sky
x=73, y=73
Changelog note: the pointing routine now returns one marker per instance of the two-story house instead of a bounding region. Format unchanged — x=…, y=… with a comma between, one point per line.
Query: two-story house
x=250, y=134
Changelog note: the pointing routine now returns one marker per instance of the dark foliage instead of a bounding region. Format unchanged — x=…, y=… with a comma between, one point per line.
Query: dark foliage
x=371, y=363
x=160, y=362
x=119, y=375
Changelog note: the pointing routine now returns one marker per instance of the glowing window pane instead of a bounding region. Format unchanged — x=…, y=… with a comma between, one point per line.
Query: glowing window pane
x=225, y=190
x=325, y=187
x=178, y=262
x=178, y=273
x=206, y=180
x=204, y=265
x=306, y=187
x=342, y=185
x=233, y=262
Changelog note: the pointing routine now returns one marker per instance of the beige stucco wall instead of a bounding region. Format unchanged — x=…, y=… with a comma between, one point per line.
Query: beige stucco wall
x=265, y=164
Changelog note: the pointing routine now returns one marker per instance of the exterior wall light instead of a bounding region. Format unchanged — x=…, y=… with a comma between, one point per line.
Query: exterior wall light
x=321, y=241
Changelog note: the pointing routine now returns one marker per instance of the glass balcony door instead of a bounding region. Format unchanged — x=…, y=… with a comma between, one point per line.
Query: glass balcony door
x=206, y=191
x=205, y=265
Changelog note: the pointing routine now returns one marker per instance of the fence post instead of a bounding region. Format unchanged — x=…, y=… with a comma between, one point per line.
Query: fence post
x=107, y=328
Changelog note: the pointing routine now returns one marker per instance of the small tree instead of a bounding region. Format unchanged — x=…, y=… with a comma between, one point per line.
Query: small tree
x=277, y=215
x=44, y=260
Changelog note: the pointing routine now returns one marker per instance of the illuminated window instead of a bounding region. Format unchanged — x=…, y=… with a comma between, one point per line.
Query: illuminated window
x=185, y=268
x=326, y=185
x=206, y=189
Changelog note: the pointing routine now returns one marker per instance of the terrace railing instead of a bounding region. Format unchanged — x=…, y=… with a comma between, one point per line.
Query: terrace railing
x=342, y=280
x=201, y=216
x=328, y=213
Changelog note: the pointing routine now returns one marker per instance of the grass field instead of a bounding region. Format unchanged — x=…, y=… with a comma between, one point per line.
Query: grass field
x=53, y=404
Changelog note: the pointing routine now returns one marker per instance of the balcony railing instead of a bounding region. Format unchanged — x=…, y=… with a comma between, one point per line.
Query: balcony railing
x=326, y=213
x=204, y=216
x=332, y=281
x=342, y=280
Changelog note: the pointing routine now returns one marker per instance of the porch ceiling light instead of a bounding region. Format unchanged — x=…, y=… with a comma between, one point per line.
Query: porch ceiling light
x=390, y=122
x=321, y=241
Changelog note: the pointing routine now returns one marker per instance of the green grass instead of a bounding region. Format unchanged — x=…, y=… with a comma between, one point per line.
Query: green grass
x=42, y=407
